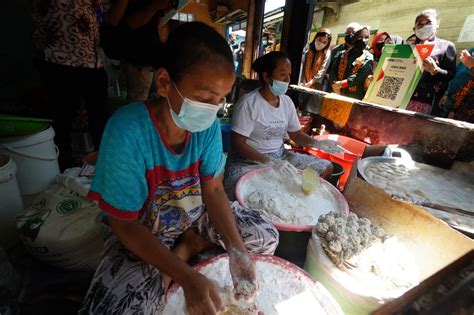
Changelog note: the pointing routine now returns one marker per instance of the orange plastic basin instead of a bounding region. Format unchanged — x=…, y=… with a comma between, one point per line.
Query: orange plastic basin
x=355, y=147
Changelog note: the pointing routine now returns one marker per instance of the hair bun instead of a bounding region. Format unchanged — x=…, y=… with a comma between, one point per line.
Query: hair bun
x=257, y=65
x=268, y=62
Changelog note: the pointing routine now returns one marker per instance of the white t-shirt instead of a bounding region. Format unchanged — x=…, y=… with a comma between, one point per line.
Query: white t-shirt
x=264, y=125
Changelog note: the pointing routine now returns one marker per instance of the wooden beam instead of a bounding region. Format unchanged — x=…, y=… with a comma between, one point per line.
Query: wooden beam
x=296, y=26
x=253, y=35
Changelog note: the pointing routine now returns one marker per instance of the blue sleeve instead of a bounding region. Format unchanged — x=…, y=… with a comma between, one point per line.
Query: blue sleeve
x=119, y=183
x=212, y=159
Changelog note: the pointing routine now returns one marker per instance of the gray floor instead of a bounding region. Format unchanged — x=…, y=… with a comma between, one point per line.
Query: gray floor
x=33, y=287
x=28, y=286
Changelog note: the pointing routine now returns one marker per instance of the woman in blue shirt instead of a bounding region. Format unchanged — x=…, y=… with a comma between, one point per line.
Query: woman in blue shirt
x=158, y=179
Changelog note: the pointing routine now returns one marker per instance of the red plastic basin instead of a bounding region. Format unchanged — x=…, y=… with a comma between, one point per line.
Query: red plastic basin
x=355, y=147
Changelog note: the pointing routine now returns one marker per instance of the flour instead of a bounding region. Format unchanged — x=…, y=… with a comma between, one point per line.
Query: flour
x=420, y=182
x=387, y=267
x=282, y=199
x=277, y=283
x=425, y=183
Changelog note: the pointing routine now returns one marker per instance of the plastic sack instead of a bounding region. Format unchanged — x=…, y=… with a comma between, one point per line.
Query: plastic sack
x=63, y=229
x=338, y=282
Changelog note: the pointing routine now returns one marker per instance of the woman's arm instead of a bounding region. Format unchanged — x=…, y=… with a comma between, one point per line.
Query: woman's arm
x=359, y=78
x=199, y=292
x=467, y=59
x=240, y=146
x=446, y=70
x=318, y=78
x=218, y=208
x=301, y=139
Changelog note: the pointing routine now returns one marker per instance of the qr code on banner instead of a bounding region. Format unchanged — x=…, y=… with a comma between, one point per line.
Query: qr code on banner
x=390, y=87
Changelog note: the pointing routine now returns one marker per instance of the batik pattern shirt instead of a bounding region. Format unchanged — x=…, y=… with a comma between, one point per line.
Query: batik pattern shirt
x=66, y=32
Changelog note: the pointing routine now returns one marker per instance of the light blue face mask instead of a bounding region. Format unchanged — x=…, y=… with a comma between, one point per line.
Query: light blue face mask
x=279, y=87
x=194, y=116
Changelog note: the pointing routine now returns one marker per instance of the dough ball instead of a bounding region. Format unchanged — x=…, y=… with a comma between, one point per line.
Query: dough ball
x=330, y=220
x=245, y=288
x=346, y=245
x=350, y=230
x=352, y=217
x=364, y=229
x=355, y=240
x=322, y=227
x=357, y=249
x=378, y=231
x=335, y=246
x=340, y=223
x=364, y=222
x=330, y=236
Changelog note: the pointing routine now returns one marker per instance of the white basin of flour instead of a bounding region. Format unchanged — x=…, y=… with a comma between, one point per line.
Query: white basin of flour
x=282, y=199
x=278, y=280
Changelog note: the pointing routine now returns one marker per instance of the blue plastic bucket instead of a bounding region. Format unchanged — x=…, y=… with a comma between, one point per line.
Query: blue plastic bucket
x=225, y=129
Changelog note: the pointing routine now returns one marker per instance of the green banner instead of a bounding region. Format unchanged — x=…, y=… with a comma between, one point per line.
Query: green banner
x=396, y=77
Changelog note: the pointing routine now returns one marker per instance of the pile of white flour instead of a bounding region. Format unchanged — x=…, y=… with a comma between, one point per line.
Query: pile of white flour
x=452, y=188
x=424, y=183
x=276, y=283
x=387, y=268
x=282, y=199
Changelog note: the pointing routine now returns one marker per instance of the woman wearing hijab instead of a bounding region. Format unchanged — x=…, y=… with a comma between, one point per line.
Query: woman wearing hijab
x=352, y=67
x=316, y=59
x=376, y=49
x=438, y=69
x=378, y=44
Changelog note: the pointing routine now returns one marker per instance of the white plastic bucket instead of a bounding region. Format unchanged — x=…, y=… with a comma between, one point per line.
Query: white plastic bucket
x=36, y=157
x=11, y=204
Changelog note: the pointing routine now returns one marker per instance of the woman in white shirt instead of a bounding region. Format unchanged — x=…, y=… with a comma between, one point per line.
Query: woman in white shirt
x=261, y=120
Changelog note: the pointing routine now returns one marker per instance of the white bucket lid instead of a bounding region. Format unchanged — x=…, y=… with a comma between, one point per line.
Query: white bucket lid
x=7, y=168
x=26, y=141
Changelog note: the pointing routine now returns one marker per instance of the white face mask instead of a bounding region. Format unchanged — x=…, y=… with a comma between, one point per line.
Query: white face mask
x=194, y=116
x=425, y=32
x=279, y=87
x=319, y=45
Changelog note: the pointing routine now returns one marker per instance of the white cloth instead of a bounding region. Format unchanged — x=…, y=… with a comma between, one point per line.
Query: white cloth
x=264, y=125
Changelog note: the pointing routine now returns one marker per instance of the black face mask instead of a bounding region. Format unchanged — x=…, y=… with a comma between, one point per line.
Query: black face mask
x=360, y=44
x=349, y=38
x=380, y=46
